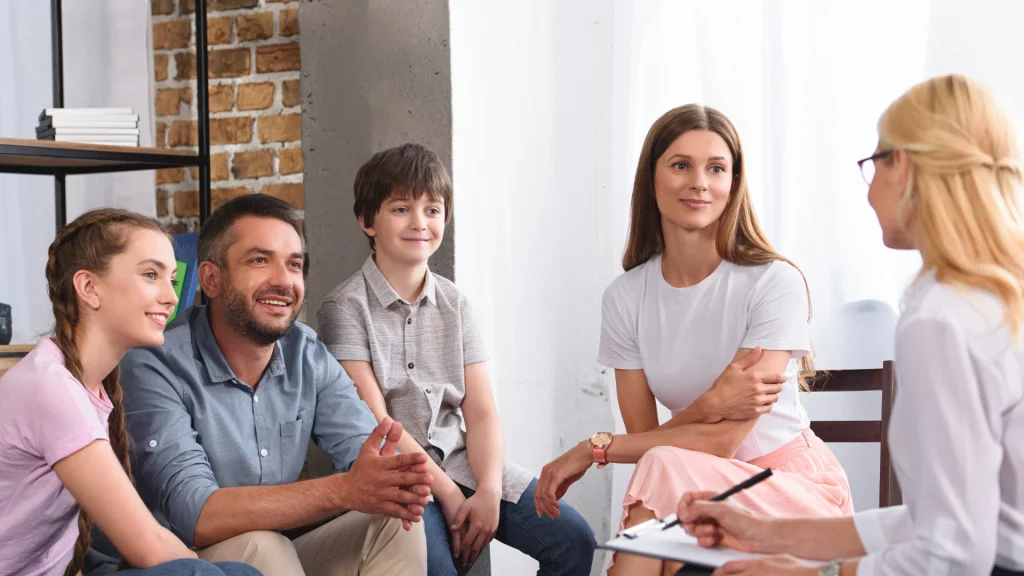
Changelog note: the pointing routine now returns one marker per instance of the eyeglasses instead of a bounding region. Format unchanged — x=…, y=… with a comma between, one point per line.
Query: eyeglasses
x=867, y=165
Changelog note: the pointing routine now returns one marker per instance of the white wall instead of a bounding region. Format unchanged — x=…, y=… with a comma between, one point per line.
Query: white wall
x=107, y=62
x=534, y=213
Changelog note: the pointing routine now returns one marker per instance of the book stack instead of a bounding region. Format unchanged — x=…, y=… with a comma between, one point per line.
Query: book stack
x=108, y=126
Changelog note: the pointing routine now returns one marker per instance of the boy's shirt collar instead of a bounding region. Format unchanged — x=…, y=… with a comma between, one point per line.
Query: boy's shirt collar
x=385, y=293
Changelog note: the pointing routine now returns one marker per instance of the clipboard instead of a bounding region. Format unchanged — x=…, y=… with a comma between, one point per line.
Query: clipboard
x=676, y=545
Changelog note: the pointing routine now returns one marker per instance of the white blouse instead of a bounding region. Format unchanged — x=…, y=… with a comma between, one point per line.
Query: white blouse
x=956, y=438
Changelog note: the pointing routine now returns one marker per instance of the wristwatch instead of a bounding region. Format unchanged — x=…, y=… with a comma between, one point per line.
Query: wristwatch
x=599, y=443
x=831, y=569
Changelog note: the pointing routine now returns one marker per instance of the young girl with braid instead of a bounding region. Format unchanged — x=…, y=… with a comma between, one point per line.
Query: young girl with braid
x=63, y=444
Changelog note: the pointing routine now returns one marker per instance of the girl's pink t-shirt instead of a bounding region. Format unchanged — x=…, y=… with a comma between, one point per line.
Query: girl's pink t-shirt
x=46, y=415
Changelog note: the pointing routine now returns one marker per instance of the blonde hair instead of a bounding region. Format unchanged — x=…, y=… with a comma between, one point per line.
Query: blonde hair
x=962, y=202
x=739, y=238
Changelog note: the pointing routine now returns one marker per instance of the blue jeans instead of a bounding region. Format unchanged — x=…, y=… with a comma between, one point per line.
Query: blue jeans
x=564, y=546
x=194, y=568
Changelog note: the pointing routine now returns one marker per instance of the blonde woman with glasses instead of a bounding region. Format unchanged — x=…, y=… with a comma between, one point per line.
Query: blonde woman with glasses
x=945, y=180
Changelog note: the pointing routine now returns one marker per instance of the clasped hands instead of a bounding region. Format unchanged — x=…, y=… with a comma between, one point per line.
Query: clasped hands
x=381, y=481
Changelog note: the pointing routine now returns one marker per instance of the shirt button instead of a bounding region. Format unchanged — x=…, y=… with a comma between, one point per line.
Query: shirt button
x=428, y=391
x=263, y=452
x=409, y=321
x=152, y=443
x=430, y=436
x=411, y=365
x=256, y=399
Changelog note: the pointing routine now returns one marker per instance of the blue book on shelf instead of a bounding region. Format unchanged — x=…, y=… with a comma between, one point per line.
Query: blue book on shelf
x=187, y=280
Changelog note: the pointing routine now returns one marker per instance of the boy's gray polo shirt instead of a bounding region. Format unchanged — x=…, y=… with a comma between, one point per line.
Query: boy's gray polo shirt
x=419, y=352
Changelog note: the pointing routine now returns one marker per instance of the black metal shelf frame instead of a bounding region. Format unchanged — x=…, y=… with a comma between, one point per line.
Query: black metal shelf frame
x=120, y=162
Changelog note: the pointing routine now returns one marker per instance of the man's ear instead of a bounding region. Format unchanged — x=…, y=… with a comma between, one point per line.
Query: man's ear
x=86, y=290
x=210, y=279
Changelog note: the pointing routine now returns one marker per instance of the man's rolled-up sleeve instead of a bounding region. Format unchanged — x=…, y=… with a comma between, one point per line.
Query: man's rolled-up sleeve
x=168, y=461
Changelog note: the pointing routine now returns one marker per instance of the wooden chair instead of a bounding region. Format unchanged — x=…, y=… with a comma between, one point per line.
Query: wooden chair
x=883, y=379
x=9, y=356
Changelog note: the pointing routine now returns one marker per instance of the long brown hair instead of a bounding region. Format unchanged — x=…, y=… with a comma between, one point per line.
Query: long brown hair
x=89, y=243
x=739, y=238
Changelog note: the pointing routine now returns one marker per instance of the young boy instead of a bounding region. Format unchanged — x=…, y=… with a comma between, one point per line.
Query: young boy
x=409, y=340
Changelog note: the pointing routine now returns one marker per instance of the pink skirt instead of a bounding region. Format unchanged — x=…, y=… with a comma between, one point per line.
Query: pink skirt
x=807, y=480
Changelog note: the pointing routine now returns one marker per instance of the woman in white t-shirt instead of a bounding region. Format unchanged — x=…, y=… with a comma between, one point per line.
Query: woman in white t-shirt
x=713, y=323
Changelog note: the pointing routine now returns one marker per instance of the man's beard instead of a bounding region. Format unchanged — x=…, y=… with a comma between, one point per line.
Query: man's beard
x=242, y=318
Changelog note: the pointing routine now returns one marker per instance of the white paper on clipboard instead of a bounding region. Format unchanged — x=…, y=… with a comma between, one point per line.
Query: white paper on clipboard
x=676, y=545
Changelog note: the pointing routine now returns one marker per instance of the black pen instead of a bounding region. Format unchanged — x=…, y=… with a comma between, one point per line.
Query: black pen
x=755, y=479
x=669, y=521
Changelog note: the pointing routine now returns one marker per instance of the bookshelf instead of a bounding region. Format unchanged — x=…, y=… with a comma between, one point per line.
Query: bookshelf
x=61, y=159
x=9, y=355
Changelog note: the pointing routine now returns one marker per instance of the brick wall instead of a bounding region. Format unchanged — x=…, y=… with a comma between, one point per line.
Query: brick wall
x=255, y=118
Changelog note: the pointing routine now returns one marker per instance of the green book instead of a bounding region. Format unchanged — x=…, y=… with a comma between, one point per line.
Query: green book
x=179, y=283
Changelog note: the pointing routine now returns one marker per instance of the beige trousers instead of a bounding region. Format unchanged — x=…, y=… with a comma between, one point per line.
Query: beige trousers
x=354, y=544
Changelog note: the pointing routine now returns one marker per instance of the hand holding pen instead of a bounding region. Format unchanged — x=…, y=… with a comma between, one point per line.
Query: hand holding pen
x=674, y=519
x=716, y=523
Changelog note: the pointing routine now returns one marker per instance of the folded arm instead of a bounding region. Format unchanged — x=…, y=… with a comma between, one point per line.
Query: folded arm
x=721, y=438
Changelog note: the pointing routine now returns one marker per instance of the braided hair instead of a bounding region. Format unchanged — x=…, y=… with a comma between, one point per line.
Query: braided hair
x=89, y=243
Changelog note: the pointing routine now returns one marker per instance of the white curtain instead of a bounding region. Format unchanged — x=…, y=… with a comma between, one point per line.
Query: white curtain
x=107, y=62
x=551, y=103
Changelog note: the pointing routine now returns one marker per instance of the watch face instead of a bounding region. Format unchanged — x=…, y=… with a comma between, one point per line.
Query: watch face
x=601, y=439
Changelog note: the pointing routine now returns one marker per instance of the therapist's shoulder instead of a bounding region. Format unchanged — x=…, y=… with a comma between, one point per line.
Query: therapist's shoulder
x=975, y=312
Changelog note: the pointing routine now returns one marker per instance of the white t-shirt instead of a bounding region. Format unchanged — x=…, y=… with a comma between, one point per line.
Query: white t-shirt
x=683, y=338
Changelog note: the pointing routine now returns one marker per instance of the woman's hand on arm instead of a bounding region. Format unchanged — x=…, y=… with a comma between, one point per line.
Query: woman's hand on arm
x=722, y=438
x=739, y=393
x=746, y=381
x=99, y=484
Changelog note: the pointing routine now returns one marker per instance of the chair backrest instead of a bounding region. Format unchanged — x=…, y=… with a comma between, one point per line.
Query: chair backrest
x=9, y=356
x=883, y=379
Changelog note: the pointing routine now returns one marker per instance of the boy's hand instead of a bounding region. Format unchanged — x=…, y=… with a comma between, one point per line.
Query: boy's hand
x=381, y=482
x=450, y=505
x=478, y=519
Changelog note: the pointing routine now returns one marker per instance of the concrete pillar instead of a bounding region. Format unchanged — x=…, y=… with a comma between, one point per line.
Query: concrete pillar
x=375, y=74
